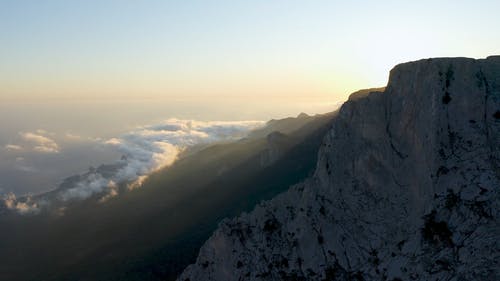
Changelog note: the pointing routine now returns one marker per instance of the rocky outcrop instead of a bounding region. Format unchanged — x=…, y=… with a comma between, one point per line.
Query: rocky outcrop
x=406, y=188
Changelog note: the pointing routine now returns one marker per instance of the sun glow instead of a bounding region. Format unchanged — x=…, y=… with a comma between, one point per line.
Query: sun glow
x=80, y=50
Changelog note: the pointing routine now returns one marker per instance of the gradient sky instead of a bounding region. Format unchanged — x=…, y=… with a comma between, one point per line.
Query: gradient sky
x=163, y=49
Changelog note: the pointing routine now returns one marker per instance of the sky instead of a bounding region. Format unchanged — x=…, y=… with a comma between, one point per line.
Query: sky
x=104, y=49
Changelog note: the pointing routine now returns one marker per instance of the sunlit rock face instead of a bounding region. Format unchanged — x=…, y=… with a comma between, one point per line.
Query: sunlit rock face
x=406, y=188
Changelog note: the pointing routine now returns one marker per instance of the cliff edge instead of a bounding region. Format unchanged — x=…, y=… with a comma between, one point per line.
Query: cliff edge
x=406, y=188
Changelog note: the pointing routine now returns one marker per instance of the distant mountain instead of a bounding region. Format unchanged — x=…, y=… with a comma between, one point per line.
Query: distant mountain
x=406, y=187
x=153, y=232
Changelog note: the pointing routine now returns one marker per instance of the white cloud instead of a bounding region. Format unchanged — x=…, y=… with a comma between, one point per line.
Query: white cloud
x=145, y=150
x=150, y=148
x=39, y=142
x=112, y=192
x=113, y=141
x=27, y=206
x=137, y=183
x=92, y=184
x=13, y=147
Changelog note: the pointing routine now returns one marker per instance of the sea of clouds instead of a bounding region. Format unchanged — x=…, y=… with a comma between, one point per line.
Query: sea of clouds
x=145, y=149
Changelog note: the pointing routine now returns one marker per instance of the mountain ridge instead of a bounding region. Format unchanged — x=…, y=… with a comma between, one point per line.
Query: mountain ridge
x=153, y=232
x=406, y=188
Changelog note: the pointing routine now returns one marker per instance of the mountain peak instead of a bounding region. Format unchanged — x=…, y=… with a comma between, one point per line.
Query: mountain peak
x=406, y=188
x=302, y=115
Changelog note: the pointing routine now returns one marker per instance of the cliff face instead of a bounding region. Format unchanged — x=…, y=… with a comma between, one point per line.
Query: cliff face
x=406, y=188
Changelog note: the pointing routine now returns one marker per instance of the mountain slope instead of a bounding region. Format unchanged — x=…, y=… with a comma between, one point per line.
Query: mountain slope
x=406, y=188
x=153, y=232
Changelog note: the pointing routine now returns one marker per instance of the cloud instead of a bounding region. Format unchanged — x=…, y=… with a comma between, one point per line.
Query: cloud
x=112, y=192
x=27, y=206
x=92, y=184
x=13, y=147
x=39, y=142
x=137, y=183
x=150, y=148
x=145, y=149
x=113, y=141
x=72, y=137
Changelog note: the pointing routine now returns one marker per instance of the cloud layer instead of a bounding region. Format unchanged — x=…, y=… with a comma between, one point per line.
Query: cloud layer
x=38, y=141
x=25, y=206
x=145, y=150
x=41, y=143
x=150, y=148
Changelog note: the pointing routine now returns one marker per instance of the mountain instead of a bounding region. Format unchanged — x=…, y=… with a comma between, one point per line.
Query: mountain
x=153, y=232
x=406, y=187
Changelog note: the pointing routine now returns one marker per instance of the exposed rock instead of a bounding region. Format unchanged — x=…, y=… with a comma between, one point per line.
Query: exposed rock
x=406, y=188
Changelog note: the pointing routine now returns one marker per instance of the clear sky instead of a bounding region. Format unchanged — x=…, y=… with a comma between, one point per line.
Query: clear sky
x=77, y=49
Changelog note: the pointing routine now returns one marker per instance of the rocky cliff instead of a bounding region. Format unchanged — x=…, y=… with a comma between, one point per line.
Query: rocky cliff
x=406, y=188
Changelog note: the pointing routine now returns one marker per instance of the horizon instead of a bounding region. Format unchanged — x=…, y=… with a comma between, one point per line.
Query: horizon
x=98, y=70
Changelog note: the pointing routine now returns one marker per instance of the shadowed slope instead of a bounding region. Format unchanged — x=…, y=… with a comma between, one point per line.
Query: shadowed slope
x=153, y=232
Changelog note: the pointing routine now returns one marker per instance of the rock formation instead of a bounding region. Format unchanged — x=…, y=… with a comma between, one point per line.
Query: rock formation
x=406, y=188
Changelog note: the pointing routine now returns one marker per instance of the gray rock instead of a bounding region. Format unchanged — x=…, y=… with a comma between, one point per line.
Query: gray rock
x=406, y=188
